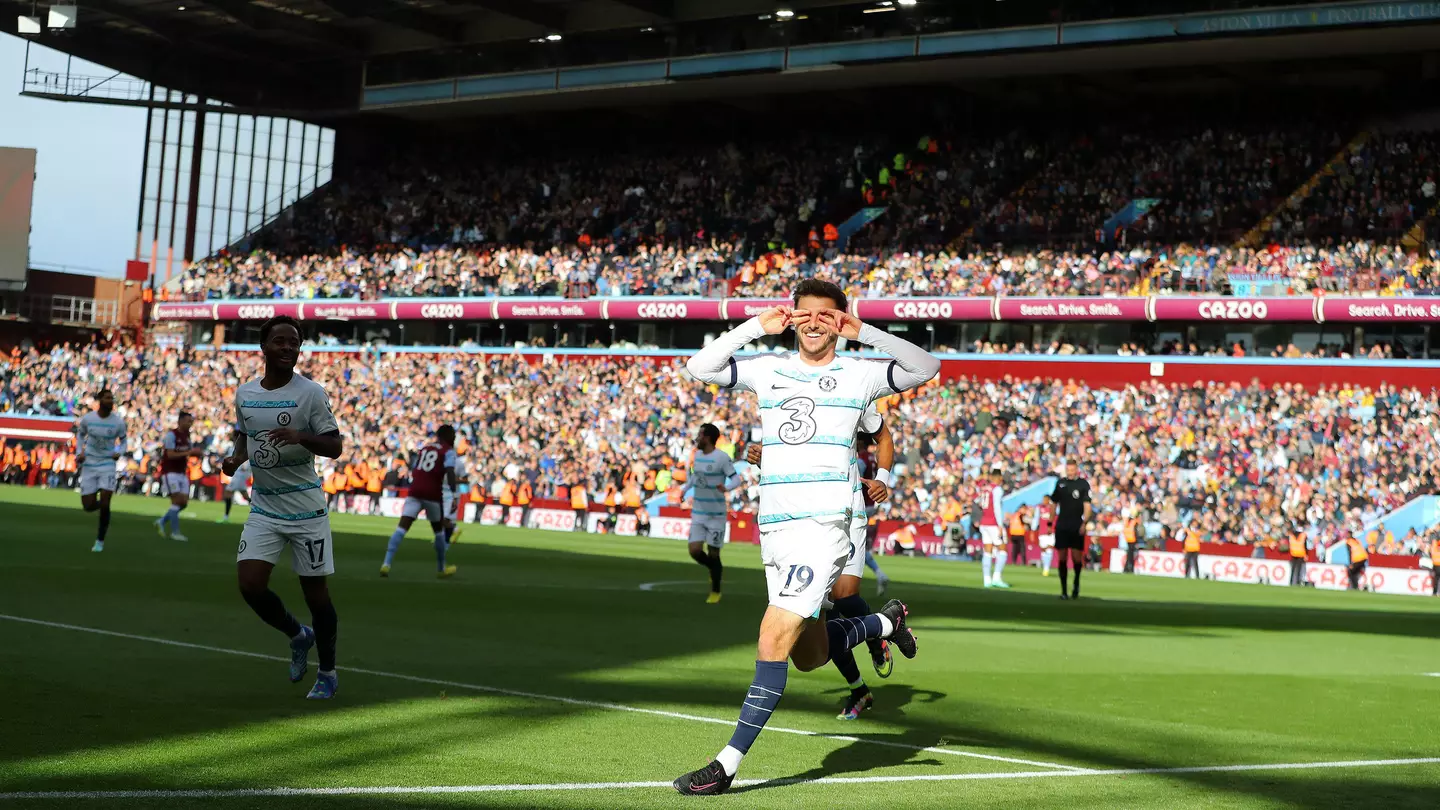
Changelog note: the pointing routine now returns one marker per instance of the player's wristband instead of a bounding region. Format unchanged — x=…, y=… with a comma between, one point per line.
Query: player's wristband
x=883, y=476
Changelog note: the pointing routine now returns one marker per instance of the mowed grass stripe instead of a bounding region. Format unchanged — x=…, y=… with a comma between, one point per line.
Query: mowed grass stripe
x=592, y=704
x=1146, y=675
x=570, y=786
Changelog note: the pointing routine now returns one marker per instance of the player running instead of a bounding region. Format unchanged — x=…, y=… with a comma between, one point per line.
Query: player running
x=712, y=473
x=872, y=487
x=282, y=422
x=810, y=408
x=453, y=503
x=875, y=453
x=239, y=484
x=431, y=476
x=175, y=454
x=99, y=436
x=988, y=496
x=1046, y=529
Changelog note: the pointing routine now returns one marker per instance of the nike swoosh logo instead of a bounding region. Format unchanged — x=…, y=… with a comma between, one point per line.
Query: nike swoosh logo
x=774, y=387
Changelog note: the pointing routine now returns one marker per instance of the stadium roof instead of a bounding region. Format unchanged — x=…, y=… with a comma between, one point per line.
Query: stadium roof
x=309, y=58
x=308, y=54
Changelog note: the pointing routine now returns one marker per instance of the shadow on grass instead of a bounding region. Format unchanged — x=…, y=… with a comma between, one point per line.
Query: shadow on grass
x=487, y=629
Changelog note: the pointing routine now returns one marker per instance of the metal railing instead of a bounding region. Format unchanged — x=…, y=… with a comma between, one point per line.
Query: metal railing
x=117, y=86
x=276, y=206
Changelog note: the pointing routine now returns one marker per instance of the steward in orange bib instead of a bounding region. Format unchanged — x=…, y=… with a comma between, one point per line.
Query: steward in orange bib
x=1359, y=559
x=1297, y=558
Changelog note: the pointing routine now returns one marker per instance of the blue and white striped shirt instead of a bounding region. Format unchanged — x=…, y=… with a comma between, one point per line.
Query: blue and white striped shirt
x=708, y=472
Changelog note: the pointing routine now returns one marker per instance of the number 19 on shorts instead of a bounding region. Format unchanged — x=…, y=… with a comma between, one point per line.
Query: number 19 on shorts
x=801, y=575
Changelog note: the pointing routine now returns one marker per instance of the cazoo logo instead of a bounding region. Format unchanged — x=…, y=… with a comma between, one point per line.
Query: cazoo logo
x=1233, y=310
x=255, y=312
x=660, y=310
x=923, y=309
x=442, y=311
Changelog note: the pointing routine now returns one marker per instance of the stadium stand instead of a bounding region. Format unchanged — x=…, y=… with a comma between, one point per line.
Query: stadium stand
x=1306, y=206
x=1243, y=465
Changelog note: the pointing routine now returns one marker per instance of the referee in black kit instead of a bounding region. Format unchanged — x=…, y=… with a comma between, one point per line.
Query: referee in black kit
x=1072, y=515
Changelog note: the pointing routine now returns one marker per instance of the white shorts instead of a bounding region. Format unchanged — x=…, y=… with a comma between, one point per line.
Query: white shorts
x=803, y=558
x=991, y=536
x=174, y=484
x=709, y=532
x=95, y=479
x=1047, y=541
x=236, y=485
x=434, y=511
x=859, y=536
x=311, y=547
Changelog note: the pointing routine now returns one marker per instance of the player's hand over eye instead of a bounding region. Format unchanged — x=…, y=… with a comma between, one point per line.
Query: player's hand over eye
x=841, y=323
x=800, y=318
x=752, y=453
x=230, y=465
x=775, y=319
x=878, y=492
x=281, y=437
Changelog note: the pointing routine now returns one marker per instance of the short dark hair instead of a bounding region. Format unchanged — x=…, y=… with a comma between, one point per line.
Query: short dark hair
x=710, y=432
x=820, y=288
x=445, y=433
x=103, y=392
x=184, y=414
x=278, y=320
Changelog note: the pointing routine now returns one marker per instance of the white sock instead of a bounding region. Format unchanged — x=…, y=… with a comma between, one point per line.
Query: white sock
x=729, y=759
x=329, y=673
x=999, y=561
x=886, y=626
x=985, y=566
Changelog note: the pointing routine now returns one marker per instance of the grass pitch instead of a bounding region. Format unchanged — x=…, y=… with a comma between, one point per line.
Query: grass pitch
x=578, y=671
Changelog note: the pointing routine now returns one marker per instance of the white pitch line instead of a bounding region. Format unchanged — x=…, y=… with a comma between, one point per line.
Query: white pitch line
x=824, y=780
x=650, y=586
x=593, y=704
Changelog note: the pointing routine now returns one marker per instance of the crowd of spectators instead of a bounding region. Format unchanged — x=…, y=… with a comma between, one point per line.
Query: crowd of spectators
x=977, y=213
x=1360, y=266
x=1239, y=464
x=1383, y=350
x=1379, y=187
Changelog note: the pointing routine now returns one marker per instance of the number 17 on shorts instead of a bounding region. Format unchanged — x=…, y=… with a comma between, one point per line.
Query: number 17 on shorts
x=310, y=544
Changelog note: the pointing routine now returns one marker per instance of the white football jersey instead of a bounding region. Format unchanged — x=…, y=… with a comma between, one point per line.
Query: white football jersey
x=242, y=474
x=809, y=416
x=99, y=438
x=708, y=472
x=461, y=471
x=285, y=484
